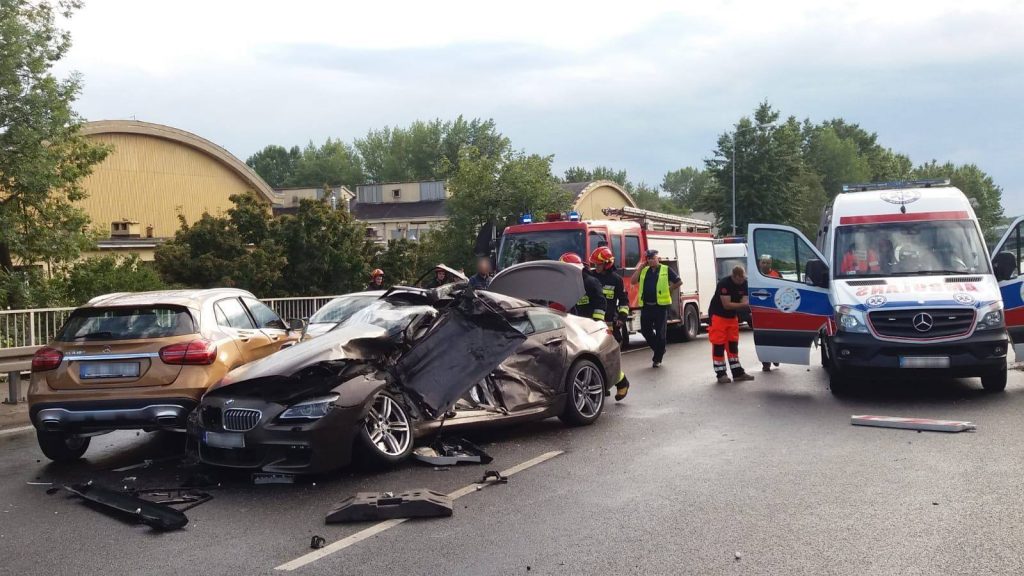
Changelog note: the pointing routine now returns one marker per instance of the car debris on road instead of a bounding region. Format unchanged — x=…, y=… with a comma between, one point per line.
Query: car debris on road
x=269, y=478
x=926, y=424
x=160, y=517
x=366, y=506
x=449, y=452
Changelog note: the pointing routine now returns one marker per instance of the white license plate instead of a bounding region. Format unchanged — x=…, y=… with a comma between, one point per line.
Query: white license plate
x=224, y=440
x=89, y=370
x=924, y=361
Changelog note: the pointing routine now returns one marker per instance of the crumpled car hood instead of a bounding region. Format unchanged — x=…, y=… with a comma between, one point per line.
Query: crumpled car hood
x=352, y=341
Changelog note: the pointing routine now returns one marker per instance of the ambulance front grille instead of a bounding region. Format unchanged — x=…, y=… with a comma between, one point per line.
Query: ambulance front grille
x=920, y=324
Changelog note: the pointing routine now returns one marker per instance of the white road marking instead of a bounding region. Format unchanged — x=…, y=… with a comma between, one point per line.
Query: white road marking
x=388, y=524
x=17, y=430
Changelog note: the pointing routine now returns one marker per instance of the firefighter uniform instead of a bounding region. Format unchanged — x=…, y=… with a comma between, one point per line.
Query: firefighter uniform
x=593, y=304
x=614, y=291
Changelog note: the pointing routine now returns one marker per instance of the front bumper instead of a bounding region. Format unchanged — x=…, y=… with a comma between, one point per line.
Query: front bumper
x=972, y=356
x=300, y=447
x=101, y=415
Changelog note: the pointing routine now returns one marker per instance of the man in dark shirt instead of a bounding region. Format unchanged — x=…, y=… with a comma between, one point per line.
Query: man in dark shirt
x=482, y=279
x=656, y=282
x=724, y=332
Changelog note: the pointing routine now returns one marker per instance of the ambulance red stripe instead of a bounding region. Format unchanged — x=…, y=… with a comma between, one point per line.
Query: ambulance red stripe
x=908, y=217
x=770, y=319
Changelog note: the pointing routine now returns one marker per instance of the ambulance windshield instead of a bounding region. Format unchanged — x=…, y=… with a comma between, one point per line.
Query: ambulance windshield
x=540, y=245
x=909, y=248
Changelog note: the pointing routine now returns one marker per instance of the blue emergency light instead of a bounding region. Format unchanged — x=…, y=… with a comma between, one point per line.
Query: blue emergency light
x=734, y=240
x=526, y=219
x=574, y=216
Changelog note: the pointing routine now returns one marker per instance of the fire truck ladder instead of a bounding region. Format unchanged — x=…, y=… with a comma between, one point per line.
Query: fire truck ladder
x=658, y=221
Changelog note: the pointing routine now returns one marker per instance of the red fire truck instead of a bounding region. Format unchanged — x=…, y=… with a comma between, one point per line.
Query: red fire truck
x=685, y=244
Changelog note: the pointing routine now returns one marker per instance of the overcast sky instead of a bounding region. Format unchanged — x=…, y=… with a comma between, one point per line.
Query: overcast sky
x=644, y=86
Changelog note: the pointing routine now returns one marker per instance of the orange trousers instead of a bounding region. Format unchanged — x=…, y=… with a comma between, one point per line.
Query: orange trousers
x=724, y=334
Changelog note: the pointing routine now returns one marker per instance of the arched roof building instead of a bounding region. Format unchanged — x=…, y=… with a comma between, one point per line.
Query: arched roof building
x=155, y=173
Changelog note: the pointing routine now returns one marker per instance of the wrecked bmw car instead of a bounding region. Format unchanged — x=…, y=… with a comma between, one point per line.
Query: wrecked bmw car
x=411, y=363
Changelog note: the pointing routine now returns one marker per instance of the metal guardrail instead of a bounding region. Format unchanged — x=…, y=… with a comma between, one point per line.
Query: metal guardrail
x=22, y=332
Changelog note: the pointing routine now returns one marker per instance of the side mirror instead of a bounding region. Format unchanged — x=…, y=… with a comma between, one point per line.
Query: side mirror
x=1004, y=265
x=816, y=273
x=296, y=324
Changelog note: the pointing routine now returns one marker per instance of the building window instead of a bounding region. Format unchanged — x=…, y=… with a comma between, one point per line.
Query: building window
x=396, y=193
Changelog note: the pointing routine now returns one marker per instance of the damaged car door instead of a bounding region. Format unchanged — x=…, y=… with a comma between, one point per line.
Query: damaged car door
x=532, y=377
x=434, y=376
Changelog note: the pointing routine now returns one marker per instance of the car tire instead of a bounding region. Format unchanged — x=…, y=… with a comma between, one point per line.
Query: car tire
x=386, y=433
x=585, y=387
x=994, y=380
x=62, y=447
x=839, y=383
x=687, y=328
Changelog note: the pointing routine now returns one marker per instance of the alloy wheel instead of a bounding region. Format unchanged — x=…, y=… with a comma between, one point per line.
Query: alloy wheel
x=588, y=391
x=387, y=426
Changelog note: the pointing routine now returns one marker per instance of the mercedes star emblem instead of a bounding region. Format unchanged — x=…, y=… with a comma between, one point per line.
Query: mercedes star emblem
x=923, y=322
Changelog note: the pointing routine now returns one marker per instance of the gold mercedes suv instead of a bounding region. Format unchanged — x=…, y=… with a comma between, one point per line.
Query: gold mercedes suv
x=143, y=361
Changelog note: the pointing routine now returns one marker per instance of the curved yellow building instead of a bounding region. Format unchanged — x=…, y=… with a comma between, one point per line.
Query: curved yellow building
x=589, y=198
x=155, y=173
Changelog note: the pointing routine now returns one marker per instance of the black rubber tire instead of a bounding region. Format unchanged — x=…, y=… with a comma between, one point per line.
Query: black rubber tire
x=62, y=447
x=995, y=380
x=571, y=414
x=370, y=454
x=824, y=345
x=840, y=384
x=690, y=328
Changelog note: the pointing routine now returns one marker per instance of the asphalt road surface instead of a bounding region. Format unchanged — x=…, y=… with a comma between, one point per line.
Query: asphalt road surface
x=684, y=477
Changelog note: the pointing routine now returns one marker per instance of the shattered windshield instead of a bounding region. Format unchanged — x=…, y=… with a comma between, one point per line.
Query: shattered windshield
x=340, y=309
x=909, y=248
x=393, y=316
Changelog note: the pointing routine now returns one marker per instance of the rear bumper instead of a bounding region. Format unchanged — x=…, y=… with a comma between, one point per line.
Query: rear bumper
x=973, y=356
x=98, y=415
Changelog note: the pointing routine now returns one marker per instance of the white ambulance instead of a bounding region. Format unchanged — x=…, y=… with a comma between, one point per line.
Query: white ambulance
x=900, y=279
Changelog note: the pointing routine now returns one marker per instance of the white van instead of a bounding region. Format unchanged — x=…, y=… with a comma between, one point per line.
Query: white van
x=900, y=280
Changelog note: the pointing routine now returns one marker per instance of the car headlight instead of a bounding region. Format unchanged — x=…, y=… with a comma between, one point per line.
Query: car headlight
x=310, y=409
x=992, y=317
x=850, y=319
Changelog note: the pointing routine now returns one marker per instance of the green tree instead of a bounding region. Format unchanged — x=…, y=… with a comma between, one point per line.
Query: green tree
x=104, y=275
x=771, y=180
x=44, y=154
x=276, y=165
x=883, y=164
x=835, y=160
x=581, y=174
x=425, y=150
x=325, y=250
x=404, y=261
x=333, y=163
x=985, y=195
x=494, y=189
x=213, y=252
x=685, y=186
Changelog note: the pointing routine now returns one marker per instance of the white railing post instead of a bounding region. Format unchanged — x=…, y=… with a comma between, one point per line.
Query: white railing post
x=31, y=328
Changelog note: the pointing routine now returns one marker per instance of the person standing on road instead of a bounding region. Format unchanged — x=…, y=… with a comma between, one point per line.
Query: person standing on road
x=656, y=283
x=764, y=264
x=482, y=279
x=592, y=305
x=724, y=332
x=376, y=280
x=617, y=307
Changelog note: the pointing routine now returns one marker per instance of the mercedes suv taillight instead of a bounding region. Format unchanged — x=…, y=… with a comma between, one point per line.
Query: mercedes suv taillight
x=196, y=352
x=46, y=358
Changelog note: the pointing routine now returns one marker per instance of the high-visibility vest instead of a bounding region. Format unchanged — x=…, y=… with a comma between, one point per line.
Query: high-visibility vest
x=664, y=294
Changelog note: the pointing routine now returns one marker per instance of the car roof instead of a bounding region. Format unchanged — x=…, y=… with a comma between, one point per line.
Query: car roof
x=186, y=298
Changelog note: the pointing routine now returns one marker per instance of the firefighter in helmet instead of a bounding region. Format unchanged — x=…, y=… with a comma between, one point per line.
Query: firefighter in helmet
x=617, y=307
x=376, y=280
x=592, y=304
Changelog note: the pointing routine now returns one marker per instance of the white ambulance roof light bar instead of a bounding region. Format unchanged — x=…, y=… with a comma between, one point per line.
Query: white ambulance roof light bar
x=896, y=185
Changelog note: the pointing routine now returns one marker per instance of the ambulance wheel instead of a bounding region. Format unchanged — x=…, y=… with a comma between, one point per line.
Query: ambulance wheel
x=994, y=380
x=826, y=352
x=840, y=384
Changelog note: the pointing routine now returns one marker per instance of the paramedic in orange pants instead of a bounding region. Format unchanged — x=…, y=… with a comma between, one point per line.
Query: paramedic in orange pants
x=724, y=332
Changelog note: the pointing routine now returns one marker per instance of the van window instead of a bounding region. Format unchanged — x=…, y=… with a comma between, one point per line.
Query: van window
x=909, y=248
x=632, y=251
x=1013, y=246
x=786, y=253
x=596, y=238
x=617, y=250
